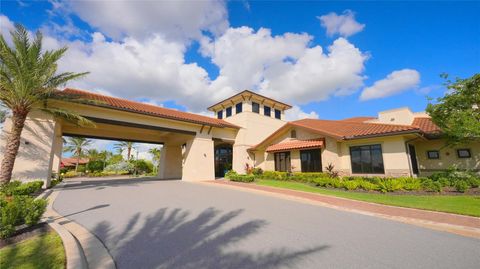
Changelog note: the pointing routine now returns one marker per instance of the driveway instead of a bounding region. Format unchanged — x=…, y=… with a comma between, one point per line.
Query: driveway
x=175, y=224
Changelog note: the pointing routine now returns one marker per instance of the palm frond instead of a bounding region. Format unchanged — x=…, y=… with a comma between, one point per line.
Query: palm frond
x=69, y=116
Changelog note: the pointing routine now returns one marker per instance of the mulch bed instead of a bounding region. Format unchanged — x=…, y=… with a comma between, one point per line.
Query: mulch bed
x=25, y=233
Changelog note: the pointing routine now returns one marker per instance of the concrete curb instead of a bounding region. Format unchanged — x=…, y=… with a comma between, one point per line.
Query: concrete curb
x=445, y=227
x=82, y=248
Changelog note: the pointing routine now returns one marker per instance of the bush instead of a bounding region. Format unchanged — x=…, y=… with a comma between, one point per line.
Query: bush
x=368, y=186
x=120, y=167
x=461, y=186
x=274, y=175
x=95, y=166
x=306, y=177
x=430, y=185
x=81, y=168
x=242, y=178
x=70, y=174
x=390, y=185
x=257, y=171
x=350, y=185
x=142, y=166
x=410, y=183
x=19, y=210
x=19, y=188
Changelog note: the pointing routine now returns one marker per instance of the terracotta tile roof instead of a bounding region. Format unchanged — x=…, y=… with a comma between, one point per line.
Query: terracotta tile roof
x=137, y=107
x=296, y=144
x=73, y=161
x=351, y=130
x=358, y=119
x=426, y=125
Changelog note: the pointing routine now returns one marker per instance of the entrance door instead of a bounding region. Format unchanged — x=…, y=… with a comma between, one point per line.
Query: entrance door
x=223, y=159
x=413, y=158
x=282, y=161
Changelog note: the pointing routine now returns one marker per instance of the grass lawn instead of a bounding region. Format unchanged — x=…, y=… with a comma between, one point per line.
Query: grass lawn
x=459, y=204
x=41, y=251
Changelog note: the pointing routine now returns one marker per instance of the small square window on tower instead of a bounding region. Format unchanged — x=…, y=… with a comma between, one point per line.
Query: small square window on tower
x=255, y=107
x=267, y=111
x=239, y=108
x=278, y=114
x=228, y=111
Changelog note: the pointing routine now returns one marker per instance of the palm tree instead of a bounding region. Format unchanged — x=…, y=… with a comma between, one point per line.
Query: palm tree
x=77, y=145
x=125, y=145
x=28, y=78
x=105, y=155
x=93, y=154
x=155, y=152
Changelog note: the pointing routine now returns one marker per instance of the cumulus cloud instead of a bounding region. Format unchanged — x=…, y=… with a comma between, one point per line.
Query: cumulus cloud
x=296, y=113
x=344, y=24
x=396, y=82
x=285, y=66
x=175, y=20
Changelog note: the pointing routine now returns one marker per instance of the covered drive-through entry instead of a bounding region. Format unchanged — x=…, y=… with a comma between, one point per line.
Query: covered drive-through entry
x=188, y=140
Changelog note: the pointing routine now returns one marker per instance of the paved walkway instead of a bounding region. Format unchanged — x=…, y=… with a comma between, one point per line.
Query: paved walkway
x=175, y=224
x=469, y=226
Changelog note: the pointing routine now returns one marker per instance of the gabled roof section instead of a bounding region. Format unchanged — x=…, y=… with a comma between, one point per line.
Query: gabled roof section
x=146, y=109
x=343, y=130
x=358, y=119
x=248, y=95
x=296, y=144
x=426, y=125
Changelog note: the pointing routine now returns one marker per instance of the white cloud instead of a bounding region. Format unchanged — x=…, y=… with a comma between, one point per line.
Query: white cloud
x=284, y=66
x=175, y=20
x=396, y=82
x=344, y=25
x=296, y=113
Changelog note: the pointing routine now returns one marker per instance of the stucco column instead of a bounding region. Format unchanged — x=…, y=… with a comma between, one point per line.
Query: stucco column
x=170, y=166
x=56, y=154
x=199, y=161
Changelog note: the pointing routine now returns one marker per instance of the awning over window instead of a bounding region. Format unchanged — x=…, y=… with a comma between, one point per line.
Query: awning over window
x=296, y=144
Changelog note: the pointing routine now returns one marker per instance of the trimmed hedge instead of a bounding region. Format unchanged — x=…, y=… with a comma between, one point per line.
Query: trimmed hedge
x=17, y=188
x=17, y=210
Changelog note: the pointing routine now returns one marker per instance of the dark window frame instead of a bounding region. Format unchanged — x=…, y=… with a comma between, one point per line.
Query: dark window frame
x=278, y=161
x=239, y=105
x=311, y=160
x=228, y=112
x=432, y=157
x=278, y=114
x=265, y=109
x=464, y=157
x=293, y=134
x=220, y=114
x=364, y=157
x=255, y=107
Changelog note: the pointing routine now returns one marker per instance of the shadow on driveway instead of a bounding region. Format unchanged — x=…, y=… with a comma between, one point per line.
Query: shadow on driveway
x=172, y=239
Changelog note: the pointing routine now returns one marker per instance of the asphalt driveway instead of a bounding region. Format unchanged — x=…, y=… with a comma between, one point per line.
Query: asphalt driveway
x=175, y=224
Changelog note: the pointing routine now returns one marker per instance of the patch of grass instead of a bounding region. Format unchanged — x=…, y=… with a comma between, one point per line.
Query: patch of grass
x=40, y=251
x=458, y=204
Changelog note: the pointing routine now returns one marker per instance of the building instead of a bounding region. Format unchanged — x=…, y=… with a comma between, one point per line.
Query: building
x=249, y=129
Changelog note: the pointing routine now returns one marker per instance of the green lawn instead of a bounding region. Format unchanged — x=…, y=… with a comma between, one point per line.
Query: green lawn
x=41, y=251
x=459, y=204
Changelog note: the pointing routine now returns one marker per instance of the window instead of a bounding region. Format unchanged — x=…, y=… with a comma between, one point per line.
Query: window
x=367, y=159
x=228, y=111
x=433, y=154
x=464, y=153
x=311, y=160
x=220, y=114
x=238, y=108
x=255, y=107
x=267, y=111
x=293, y=134
x=282, y=161
x=278, y=114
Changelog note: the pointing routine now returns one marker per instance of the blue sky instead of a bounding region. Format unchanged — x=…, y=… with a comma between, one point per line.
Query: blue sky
x=196, y=54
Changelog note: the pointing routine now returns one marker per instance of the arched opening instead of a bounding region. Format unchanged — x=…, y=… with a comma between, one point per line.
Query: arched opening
x=223, y=159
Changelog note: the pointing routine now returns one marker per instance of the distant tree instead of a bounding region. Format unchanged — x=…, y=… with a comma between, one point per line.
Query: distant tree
x=28, y=79
x=115, y=158
x=93, y=154
x=77, y=146
x=105, y=155
x=155, y=152
x=458, y=112
x=125, y=145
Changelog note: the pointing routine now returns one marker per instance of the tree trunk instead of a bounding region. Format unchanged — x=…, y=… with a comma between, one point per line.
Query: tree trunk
x=129, y=151
x=11, y=146
x=76, y=165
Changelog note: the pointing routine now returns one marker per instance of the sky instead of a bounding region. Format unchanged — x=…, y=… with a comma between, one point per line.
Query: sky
x=330, y=60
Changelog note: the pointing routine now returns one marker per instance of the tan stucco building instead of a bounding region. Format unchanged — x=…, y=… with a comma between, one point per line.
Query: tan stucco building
x=248, y=129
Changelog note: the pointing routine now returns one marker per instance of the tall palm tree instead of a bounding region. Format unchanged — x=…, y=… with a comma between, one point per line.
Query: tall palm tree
x=105, y=155
x=77, y=146
x=125, y=145
x=93, y=154
x=28, y=78
x=155, y=152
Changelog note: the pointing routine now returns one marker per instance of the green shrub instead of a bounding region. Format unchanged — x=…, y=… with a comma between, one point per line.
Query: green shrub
x=410, y=183
x=70, y=174
x=474, y=182
x=230, y=173
x=275, y=175
x=95, y=166
x=430, y=185
x=390, y=185
x=142, y=166
x=81, y=168
x=18, y=188
x=350, y=185
x=461, y=186
x=257, y=171
x=19, y=210
x=321, y=182
x=366, y=185
x=242, y=178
